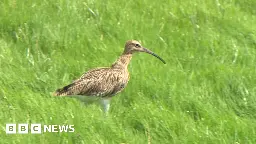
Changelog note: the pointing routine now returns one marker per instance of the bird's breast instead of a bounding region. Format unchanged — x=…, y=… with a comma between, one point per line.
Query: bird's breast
x=127, y=76
x=123, y=80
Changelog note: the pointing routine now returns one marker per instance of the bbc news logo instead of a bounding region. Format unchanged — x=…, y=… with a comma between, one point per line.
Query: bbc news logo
x=37, y=128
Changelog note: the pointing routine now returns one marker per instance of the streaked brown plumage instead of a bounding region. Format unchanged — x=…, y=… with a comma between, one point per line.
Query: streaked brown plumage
x=108, y=81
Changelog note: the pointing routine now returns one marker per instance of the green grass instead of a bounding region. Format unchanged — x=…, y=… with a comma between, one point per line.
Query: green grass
x=205, y=93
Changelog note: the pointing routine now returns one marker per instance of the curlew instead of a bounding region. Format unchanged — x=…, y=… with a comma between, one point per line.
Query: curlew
x=107, y=81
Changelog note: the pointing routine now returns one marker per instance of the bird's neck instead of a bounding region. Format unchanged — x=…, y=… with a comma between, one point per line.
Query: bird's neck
x=123, y=61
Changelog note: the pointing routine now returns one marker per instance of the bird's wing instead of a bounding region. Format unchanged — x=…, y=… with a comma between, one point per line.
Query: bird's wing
x=88, y=73
x=96, y=82
x=101, y=82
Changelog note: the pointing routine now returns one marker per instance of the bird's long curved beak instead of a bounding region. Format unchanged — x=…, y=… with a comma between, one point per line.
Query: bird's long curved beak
x=155, y=55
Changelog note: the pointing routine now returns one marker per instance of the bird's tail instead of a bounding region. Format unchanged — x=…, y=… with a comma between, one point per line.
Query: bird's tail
x=63, y=91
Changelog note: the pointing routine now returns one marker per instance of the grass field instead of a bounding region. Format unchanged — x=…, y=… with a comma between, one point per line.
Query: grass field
x=206, y=93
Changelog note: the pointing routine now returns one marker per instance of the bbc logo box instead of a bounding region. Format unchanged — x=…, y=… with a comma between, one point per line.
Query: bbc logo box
x=37, y=128
x=23, y=128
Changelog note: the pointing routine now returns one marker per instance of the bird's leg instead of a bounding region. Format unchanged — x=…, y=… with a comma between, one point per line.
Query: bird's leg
x=106, y=104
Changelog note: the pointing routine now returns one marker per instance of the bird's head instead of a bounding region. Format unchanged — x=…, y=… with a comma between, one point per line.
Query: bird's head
x=133, y=46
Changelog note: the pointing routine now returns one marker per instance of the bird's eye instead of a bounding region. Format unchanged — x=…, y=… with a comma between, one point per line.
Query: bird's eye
x=137, y=45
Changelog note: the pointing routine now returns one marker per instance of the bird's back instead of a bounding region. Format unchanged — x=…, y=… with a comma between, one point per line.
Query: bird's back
x=104, y=82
